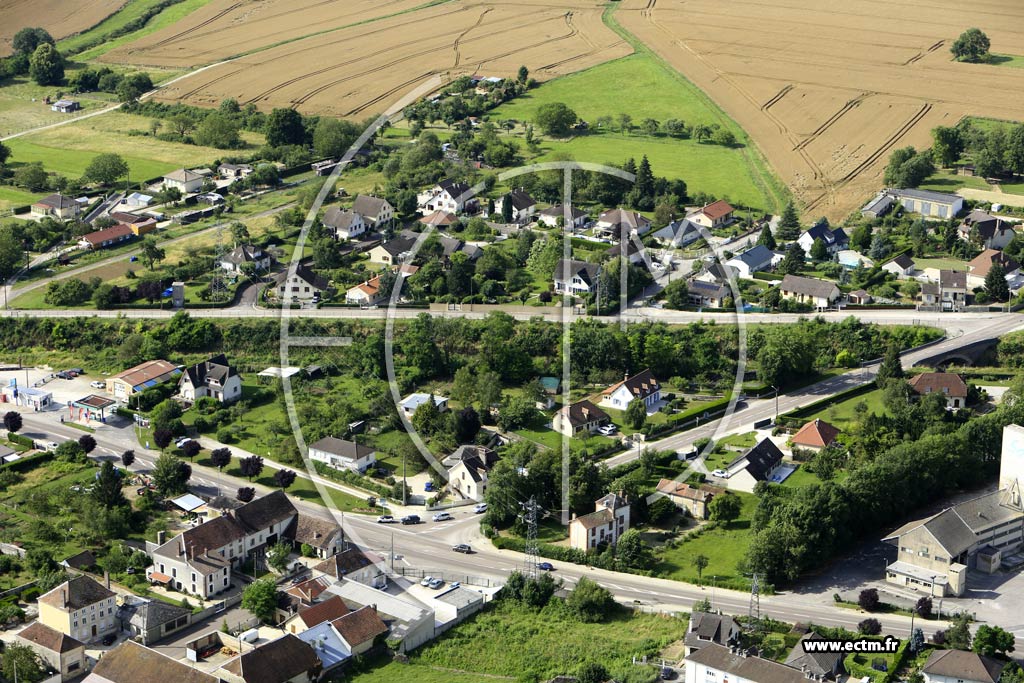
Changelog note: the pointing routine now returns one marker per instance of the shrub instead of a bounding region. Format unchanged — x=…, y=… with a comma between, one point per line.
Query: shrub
x=870, y=627
x=868, y=599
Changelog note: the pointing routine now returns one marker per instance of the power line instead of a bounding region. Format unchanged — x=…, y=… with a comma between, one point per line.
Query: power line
x=531, y=551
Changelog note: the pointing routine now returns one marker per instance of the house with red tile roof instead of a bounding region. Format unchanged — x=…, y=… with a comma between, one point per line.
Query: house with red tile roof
x=814, y=436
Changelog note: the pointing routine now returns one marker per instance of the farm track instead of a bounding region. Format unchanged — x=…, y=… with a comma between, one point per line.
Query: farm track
x=458, y=38
x=855, y=102
x=190, y=30
x=921, y=55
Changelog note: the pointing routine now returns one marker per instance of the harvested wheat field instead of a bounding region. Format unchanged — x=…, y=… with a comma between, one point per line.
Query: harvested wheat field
x=60, y=17
x=827, y=88
x=362, y=69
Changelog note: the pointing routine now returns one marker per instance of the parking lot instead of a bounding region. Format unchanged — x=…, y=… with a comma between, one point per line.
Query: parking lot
x=63, y=390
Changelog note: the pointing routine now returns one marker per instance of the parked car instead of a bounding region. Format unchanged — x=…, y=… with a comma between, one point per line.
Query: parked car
x=50, y=446
x=545, y=566
x=411, y=519
x=428, y=487
x=64, y=374
x=182, y=441
x=667, y=673
x=721, y=474
x=443, y=517
x=109, y=639
x=454, y=584
x=426, y=580
x=462, y=548
x=385, y=519
x=77, y=371
x=98, y=384
x=607, y=430
x=480, y=507
x=436, y=583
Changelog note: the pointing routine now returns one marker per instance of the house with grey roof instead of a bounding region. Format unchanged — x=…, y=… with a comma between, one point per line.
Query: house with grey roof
x=214, y=378
x=523, y=205
x=343, y=224
x=929, y=204
x=234, y=260
x=819, y=294
x=377, y=212
x=822, y=665
x=706, y=628
x=958, y=666
x=575, y=277
x=342, y=454
x=760, y=463
x=715, y=662
x=756, y=259
x=902, y=266
x=150, y=621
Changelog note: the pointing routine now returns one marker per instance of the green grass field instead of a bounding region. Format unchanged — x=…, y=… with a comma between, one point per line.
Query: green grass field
x=941, y=263
x=843, y=414
x=723, y=546
x=15, y=196
x=69, y=149
x=1015, y=61
x=642, y=87
x=944, y=180
x=132, y=10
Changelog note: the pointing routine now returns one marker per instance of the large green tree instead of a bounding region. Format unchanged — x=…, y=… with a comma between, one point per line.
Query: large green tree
x=284, y=127
x=46, y=66
x=725, y=508
x=971, y=46
x=677, y=294
x=106, y=168
x=171, y=475
x=333, y=137
x=218, y=130
x=555, y=118
x=260, y=598
x=21, y=663
x=766, y=238
x=28, y=39
x=107, y=489
x=995, y=283
x=947, y=145
x=789, y=223
x=992, y=641
x=793, y=262
x=590, y=601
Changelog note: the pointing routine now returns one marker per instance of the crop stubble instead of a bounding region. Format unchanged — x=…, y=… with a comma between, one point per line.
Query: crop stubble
x=827, y=88
x=60, y=17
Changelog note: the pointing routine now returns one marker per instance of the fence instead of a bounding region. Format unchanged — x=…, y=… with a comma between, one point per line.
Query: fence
x=17, y=590
x=446, y=576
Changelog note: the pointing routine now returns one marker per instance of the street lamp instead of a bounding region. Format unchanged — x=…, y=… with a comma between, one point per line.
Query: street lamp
x=776, y=403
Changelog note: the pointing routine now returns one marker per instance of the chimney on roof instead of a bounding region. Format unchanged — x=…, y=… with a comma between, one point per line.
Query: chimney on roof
x=63, y=597
x=161, y=537
x=181, y=547
x=106, y=579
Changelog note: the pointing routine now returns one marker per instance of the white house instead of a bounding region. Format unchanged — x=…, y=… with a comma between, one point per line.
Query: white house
x=342, y=454
x=184, y=180
x=65, y=106
x=376, y=212
x=679, y=233
x=575, y=277
x=410, y=403
x=713, y=215
x=578, y=418
x=820, y=294
x=714, y=663
x=58, y=206
x=988, y=232
x=834, y=240
x=606, y=524
x=979, y=267
x=756, y=259
x=615, y=222
x=344, y=224
x=366, y=294
x=304, y=285
x=958, y=666
x=214, y=378
x=643, y=386
x=523, y=205
x=902, y=266
x=445, y=196
x=551, y=216
x=468, y=475
x=245, y=253
x=760, y=463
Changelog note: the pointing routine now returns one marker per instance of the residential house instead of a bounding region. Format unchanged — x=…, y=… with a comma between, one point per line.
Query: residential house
x=344, y=224
x=814, y=436
x=324, y=536
x=820, y=294
x=316, y=614
x=365, y=294
x=234, y=260
x=341, y=454
x=820, y=665
x=708, y=628
x=901, y=266
x=605, y=525
x=304, y=286
x=355, y=565
x=678, y=234
x=643, y=386
x=949, y=384
x=65, y=106
x=553, y=215
x=447, y=196
x=57, y=206
x=83, y=561
x=708, y=294
x=947, y=293
x=135, y=200
x=394, y=251
x=579, y=418
x=880, y=205
x=233, y=171
x=760, y=463
x=859, y=297
x=927, y=203
x=714, y=215
x=284, y=660
x=61, y=652
x=834, y=240
x=985, y=230
x=714, y=662
x=184, y=181
x=126, y=384
x=360, y=629
x=150, y=621
x=410, y=403
x=304, y=593
x=451, y=246
x=715, y=273
x=200, y=560
x=958, y=666
x=328, y=646
x=634, y=253
x=693, y=499
x=935, y=554
x=411, y=623
x=213, y=378
x=575, y=277
x=130, y=662
x=980, y=265
x=376, y=212
x=523, y=205
x=756, y=259
x=108, y=237
x=81, y=608
x=442, y=220
x=620, y=223
x=468, y=475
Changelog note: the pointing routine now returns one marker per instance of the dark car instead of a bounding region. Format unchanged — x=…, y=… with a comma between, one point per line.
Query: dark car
x=545, y=566
x=411, y=519
x=667, y=673
x=109, y=639
x=462, y=548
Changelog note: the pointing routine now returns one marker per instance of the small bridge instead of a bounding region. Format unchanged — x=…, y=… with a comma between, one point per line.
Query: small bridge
x=966, y=355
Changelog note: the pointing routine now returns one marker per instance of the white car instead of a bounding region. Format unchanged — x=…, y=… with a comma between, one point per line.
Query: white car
x=50, y=446
x=721, y=474
x=442, y=517
x=608, y=430
x=426, y=580
x=182, y=441
x=98, y=384
x=480, y=507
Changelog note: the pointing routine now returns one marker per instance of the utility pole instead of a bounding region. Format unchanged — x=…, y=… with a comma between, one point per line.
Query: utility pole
x=405, y=486
x=392, y=552
x=530, y=551
x=754, y=611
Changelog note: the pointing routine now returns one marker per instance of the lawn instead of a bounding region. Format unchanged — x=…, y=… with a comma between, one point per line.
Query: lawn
x=11, y=197
x=606, y=90
x=523, y=644
x=723, y=546
x=1015, y=61
x=131, y=11
x=940, y=263
x=945, y=180
x=69, y=149
x=844, y=413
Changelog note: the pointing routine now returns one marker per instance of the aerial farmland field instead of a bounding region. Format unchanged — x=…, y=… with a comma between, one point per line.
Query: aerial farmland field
x=60, y=17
